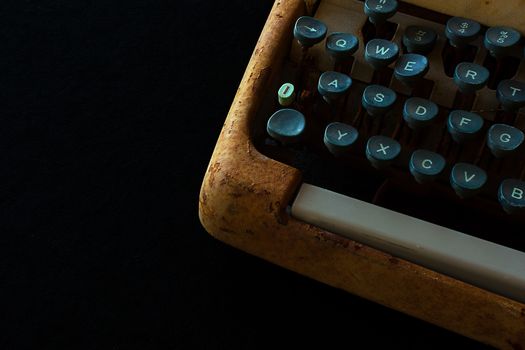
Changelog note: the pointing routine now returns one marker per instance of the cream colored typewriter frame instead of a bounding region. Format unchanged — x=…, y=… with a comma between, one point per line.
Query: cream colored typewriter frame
x=244, y=196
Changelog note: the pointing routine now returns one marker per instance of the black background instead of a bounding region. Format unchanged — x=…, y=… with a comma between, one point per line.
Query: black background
x=109, y=111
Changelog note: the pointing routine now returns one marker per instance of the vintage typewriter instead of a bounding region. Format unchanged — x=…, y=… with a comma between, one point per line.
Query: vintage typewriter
x=377, y=146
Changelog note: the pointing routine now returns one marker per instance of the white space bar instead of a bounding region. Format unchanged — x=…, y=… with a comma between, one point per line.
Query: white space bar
x=481, y=263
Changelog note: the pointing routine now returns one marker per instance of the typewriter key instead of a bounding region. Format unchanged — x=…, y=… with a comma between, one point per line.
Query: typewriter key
x=511, y=195
x=419, y=112
x=332, y=85
x=419, y=39
x=379, y=11
x=341, y=46
x=504, y=139
x=339, y=137
x=463, y=125
x=286, y=125
x=501, y=40
x=410, y=68
x=467, y=179
x=381, y=151
x=309, y=31
x=511, y=94
x=461, y=31
x=426, y=165
x=377, y=99
x=470, y=77
x=380, y=53
x=286, y=94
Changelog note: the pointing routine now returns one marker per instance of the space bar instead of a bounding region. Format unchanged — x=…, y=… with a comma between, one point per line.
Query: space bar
x=481, y=263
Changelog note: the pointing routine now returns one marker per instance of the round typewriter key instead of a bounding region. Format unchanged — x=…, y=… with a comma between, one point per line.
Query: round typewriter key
x=419, y=112
x=426, y=165
x=500, y=40
x=309, y=31
x=410, y=68
x=380, y=53
x=286, y=125
x=286, y=94
x=381, y=151
x=511, y=195
x=461, y=31
x=380, y=10
x=511, y=94
x=419, y=39
x=467, y=179
x=341, y=46
x=377, y=99
x=332, y=85
x=463, y=125
x=339, y=137
x=504, y=139
x=470, y=77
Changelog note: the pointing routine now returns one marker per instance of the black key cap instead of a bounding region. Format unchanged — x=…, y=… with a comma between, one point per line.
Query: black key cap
x=467, y=179
x=501, y=40
x=378, y=99
x=470, y=77
x=511, y=195
x=339, y=137
x=461, y=31
x=381, y=151
x=332, y=85
x=410, y=68
x=341, y=46
x=419, y=112
x=379, y=11
x=380, y=53
x=463, y=125
x=419, y=39
x=309, y=31
x=511, y=94
x=286, y=125
x=503, y=139
x=426, y=165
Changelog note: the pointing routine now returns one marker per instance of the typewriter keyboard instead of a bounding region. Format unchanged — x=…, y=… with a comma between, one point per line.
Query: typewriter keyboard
x=406, y=112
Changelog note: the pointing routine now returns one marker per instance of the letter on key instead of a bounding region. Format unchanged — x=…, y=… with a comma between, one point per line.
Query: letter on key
x=309, y=31
x=470, y=77
x=503, y=139
x=378, y=99
x=286, y=125
x=332, y=85
x=341, y=46
x=339, y=137
x=426, y=165
x=511, y=195
x=463, y=125
x=410, y=68
x=419, y=112
x=511, y=94
x=381, y=151
x=380, y=53
x=467, y=179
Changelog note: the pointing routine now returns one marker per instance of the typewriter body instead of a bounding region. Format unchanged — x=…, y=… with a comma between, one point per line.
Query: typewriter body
x=378, y=150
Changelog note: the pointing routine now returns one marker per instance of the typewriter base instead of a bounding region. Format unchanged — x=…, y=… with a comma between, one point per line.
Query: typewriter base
x=243, y=203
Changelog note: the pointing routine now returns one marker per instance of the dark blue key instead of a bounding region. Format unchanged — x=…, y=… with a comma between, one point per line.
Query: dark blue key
x=381, y=151
x=419, y=39
x=378, y=99
x=309, y=31
x=503, y=139
x=286, y=125
x=379, y=11
x=470, y=77
x=426, y=165
x=467, y=179
x=511, y=94
x=332, y=85
x=501, y=40
x=461, y=31
x=339, y=137
x=410, y=68
x=419, y=112
x=341, y=46
x=511, y=195
x=463, y=125
x=380, y=53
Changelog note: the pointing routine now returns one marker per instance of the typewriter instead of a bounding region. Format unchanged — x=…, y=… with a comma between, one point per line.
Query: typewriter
x=377, y=146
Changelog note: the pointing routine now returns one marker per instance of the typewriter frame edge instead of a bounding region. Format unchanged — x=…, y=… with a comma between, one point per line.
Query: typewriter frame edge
x=243, y=201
